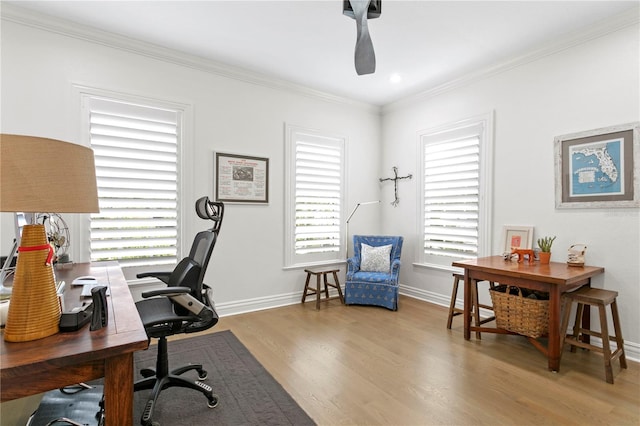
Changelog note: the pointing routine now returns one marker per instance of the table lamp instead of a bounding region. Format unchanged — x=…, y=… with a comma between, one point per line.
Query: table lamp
x=41, y=175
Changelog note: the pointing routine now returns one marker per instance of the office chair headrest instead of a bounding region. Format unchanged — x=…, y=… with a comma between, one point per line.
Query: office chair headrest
x=211, y=210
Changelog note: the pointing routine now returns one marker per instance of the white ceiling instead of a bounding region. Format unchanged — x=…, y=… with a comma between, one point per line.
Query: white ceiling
x=311, y=43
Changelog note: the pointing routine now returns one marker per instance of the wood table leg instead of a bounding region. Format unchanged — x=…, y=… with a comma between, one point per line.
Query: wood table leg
x=554, y=344
x=337, y=283
x=586, y=324
x=306, y=286
x=466, y=314
x=326, y=284
x=318, y=291
x=118, y=390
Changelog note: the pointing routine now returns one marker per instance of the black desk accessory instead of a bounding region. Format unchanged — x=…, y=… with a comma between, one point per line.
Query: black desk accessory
x=100, y=316
x=76, y=318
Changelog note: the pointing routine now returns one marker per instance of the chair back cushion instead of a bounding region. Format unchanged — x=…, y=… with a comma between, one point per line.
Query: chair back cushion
x=377, y=241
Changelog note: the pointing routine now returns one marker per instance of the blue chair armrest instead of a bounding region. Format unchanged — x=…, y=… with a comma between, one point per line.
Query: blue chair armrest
x=395, y=272
x=353, y=266
x=395, y=266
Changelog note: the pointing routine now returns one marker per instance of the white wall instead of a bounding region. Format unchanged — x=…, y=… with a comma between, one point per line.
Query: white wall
x=39, y=69
x=590, y=86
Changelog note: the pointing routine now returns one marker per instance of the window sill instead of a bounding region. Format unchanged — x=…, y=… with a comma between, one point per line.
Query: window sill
x=437, y=267
x=313, y=265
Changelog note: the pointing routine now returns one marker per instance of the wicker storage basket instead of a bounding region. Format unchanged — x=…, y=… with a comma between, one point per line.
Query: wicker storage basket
x=520, y=314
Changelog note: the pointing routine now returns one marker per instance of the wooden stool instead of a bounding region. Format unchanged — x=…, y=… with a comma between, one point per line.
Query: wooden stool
x=475, y=304
x=310, y=290
x=600, y=298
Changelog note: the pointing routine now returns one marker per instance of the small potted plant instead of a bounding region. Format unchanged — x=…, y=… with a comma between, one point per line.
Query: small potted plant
x=545, y=244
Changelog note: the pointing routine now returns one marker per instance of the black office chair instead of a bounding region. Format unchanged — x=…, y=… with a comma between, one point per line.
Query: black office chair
x=183, y=307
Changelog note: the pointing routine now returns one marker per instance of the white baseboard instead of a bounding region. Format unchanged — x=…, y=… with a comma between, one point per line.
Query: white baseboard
x=257, y=304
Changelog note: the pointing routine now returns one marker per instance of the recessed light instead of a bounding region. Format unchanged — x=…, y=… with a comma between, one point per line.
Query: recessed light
x=395, y=78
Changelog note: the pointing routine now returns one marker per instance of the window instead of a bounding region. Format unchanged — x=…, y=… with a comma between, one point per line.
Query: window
x=315, y=196
x=456, y=191
x=136, y=149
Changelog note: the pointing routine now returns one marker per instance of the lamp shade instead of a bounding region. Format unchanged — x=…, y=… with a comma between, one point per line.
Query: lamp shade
x=46, y=175
x=41, y=175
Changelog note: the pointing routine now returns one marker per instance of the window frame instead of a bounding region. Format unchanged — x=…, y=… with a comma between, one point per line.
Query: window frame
x=481, y=126
x=82, y=222
x=291, y=258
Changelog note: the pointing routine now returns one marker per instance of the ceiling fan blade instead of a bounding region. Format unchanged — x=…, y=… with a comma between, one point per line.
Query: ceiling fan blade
x=365, y=57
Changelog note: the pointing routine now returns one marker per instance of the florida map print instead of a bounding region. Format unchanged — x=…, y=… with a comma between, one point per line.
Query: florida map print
x=595, y=168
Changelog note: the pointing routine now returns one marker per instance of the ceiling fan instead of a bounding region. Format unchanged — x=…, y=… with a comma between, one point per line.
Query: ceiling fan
x=361, y=10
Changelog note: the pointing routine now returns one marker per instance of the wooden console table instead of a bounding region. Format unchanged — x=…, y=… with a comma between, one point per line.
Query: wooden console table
x=28, y=368
x=555, y=278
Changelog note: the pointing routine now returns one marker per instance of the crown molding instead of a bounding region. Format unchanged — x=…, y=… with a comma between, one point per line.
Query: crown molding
x=16, y=14
x=616, y=23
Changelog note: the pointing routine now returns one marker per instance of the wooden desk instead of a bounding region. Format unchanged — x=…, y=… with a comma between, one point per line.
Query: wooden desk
x=28, y=368
x=555, y=278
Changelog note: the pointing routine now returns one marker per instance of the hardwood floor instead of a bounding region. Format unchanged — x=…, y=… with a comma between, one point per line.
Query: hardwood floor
x=370, y=366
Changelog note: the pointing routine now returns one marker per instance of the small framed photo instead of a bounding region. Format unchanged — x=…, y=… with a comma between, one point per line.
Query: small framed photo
x=241, y=178
x=598, y=168
x=517, y=237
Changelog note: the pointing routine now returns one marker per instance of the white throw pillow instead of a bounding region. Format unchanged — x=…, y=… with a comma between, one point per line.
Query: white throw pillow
x=375, y=259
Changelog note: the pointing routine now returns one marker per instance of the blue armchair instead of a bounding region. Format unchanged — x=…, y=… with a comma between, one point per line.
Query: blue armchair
x=373, y=271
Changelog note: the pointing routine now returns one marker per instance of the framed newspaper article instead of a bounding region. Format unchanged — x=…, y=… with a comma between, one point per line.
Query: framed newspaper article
x=241, y=178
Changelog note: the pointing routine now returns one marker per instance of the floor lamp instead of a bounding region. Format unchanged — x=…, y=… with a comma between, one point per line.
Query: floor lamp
x=41, y=175
x=346, y=236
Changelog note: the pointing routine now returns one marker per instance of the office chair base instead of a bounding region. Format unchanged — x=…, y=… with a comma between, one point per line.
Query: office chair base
x=202, y=373
x=171, y=380
x=161, y=378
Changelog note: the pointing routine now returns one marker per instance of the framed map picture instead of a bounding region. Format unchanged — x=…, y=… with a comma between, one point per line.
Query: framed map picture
x=241, y=179
x=598, y=168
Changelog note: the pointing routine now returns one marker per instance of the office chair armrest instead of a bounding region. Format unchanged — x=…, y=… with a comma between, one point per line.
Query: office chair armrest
x=181, y=296
x=166, y=292
x=193, y=305
x=162, y=276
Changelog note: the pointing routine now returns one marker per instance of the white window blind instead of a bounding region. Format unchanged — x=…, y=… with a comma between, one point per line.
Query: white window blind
x=455, y=190
x=451, y=197
x=136, y=155
x=316, y=187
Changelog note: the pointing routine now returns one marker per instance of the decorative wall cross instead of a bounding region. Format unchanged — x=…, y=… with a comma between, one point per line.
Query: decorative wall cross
x=395, y=184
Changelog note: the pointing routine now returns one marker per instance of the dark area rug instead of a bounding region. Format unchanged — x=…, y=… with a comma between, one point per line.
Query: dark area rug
x=248, y=394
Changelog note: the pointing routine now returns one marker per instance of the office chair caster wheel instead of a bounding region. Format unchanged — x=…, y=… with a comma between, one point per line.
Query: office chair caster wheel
x=202, y=374
x=213, y=402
